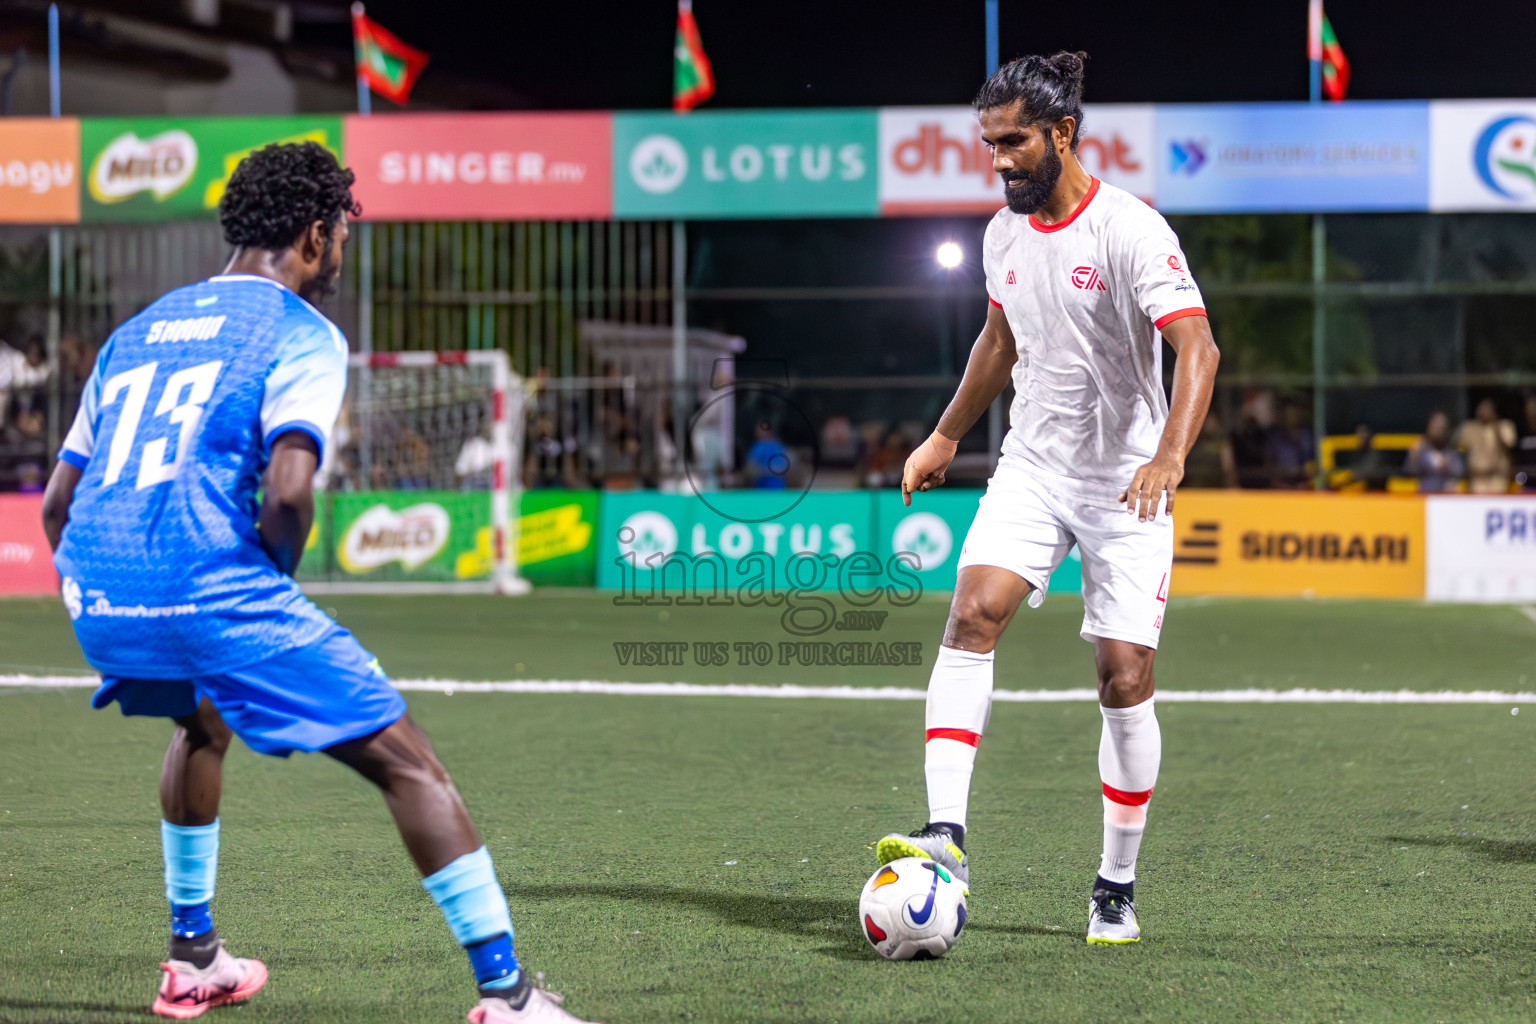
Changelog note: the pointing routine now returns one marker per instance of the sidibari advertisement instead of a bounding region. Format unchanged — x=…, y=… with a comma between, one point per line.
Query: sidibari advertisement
x=39, y=170
x=807, y=163
x=933, y=160
x=147, y=169
x=1484, y=155
x=1275, y=544
x=1481, y=548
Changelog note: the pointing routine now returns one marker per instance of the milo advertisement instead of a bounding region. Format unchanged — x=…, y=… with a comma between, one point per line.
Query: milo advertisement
x=147, y=169
x=446, y=537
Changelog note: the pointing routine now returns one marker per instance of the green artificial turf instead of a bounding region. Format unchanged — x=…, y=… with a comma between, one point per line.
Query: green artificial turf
x=1302, y=862
x=1206, y=644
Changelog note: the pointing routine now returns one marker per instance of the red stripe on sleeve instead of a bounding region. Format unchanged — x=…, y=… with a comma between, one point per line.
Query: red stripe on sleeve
x=994, y=302
x=1120, y=796
x=1178, y=314
x=961, y=735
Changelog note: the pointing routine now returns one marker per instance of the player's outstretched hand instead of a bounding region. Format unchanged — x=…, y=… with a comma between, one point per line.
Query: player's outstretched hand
x=925, y=467
x=1162, y=474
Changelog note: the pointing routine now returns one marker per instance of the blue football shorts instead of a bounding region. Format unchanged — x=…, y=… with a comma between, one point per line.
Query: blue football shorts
x=306, y=699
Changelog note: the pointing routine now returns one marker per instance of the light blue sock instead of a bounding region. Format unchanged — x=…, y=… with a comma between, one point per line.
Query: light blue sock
x=191, y=861
x=469, y=896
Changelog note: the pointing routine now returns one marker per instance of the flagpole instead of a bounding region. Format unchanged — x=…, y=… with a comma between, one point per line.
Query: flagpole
x=1319, y=256
x=680, y=397
x=55, y=256
x=1315, y=49
x=364, y=279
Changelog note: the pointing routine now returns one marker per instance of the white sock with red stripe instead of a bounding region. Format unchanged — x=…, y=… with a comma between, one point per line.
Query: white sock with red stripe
x=1130, y=750
x=959, y=700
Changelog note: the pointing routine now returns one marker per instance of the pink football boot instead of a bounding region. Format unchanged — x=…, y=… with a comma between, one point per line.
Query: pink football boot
x=542, y=1007
x=188, y=991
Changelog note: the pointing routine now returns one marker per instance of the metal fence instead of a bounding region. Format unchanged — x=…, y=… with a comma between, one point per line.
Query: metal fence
x=1324, y=323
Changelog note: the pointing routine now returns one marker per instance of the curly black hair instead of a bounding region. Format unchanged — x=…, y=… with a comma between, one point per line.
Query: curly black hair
x=278, y=191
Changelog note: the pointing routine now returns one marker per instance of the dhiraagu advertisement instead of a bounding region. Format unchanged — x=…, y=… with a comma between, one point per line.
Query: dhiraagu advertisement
x=146, y=169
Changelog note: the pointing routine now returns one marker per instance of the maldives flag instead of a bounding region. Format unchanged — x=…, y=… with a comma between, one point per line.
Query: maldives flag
x=389, y=66
x=692, y=80
x=1335, y=66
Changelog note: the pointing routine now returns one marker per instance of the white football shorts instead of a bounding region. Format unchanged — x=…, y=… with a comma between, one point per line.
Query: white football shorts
x=1020, y=526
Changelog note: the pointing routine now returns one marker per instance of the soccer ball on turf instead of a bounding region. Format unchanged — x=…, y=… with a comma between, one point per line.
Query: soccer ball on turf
x=912, y=909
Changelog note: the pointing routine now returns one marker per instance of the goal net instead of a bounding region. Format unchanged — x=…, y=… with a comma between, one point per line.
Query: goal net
x=418, y=487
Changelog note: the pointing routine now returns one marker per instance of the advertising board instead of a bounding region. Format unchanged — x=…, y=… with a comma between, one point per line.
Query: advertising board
x=147, y=169
x=932, y=159
x=1481, y=548
x=482, y=166
x=1274, y=544
x=1285, y=157
x=434, y=536
x=1484, y=155
x=804, y=163
x=39, y=170
x=26, y=561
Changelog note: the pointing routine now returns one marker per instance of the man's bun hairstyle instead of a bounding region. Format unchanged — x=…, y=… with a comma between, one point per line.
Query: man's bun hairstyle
x=1050, y=89
x=278, y=191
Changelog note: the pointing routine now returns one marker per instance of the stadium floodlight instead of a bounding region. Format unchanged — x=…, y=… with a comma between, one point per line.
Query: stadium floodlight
x=949, y=255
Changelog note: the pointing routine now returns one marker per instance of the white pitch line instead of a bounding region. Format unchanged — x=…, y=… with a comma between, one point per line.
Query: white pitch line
x=1529, y=611
x=791, y=691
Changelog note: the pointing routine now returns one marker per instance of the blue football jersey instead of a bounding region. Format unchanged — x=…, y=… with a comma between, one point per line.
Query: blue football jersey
x=163, y=572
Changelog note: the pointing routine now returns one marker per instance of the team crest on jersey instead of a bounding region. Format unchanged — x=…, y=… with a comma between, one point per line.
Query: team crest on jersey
x=1088, y=279
x=1011, y=278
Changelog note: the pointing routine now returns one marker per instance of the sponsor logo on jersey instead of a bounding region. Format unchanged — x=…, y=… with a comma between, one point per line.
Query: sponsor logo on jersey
x=1504, y=157
x=1173, y=264
x=198, y=328
x=129, y=165
x=1087, y=279
x=411, y=536
x=72, y=601
x=1011, y=278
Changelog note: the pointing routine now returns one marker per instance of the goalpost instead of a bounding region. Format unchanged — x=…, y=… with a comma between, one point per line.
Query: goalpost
x=422, y=478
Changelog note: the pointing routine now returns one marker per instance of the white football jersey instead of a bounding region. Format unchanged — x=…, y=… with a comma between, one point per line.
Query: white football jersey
x=1086, y=298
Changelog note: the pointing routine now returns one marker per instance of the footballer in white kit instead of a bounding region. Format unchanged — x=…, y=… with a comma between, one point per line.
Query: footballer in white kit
x=1083, y=282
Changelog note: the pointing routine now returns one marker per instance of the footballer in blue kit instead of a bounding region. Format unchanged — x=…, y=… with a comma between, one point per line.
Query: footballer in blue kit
x=177, y=577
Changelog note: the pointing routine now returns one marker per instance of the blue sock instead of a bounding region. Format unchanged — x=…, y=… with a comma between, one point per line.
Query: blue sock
x=191, y=861
x=188, y=922
x=469, y=896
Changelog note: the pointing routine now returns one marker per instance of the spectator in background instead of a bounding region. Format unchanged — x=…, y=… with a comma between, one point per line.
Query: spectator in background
x=1525, y=449
x=1210, y=462
x=1291, y=449
x=885, y=464
x=1432, y=459
x=1489, y=443
x=1369, y=465
x=1250, y=441
x=767, y=461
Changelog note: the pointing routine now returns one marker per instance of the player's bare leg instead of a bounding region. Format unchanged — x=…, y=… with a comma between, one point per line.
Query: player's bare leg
x=199, y=974
x=442, y=840
x=959, y=701
x=1130, y=751
x=431, y=816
